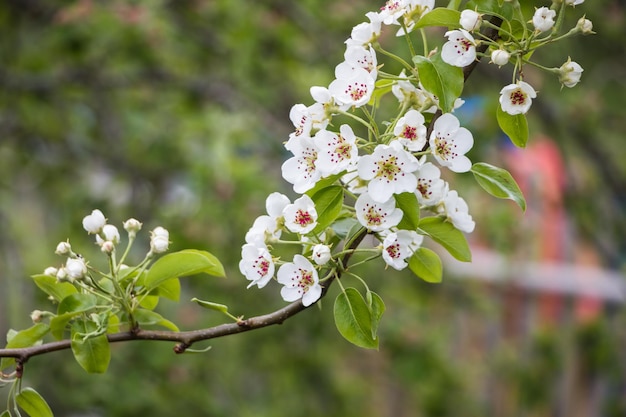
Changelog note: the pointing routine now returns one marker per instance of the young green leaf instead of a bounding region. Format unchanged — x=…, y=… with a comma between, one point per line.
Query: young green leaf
x=328, y=202
x=377, y=308
x=170, y=289
x=180, y=264
x=407, y=202
x=440, y=16
x=92, y=354
x=150, y=318
x=24, y=338
x=33, y=403
x=447, y=236
x=443, y=80
x=354, y=320
x=498, y=182
x=211, y=306
x=55, y=289
x=426, y=264
x=515, y=127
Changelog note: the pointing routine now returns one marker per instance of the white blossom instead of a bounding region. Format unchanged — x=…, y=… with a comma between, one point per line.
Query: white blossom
x=470, y=20
x=457, y=211
x=500, y=57
x=300, y=281
x=430, y=187
x=301, y=170
x=301, y=216
x=75, y=269
x=376, y=216
x=570, y=73
x=94, y=222
x=517, y=98
x=256, y=264
x=411, y=131
x=352, y=86
x=321, y=254
x=543, y=19
x=449, y=142
x=399, y=246
x=460, y=50
x=336, y=151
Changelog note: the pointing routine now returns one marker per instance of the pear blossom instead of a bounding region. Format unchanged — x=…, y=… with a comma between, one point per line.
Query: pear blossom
x=355, y=184
x=457, y=212
x=75, y=269
x=361, y=57
x=306, y=120
x=352, y=86
x=321, y=254
x=411, y=131
x=570, y=73
x=301, y=216
x=336, y=152
x=94, y=222
x=430, y=187
x=399, y=246
x=366, y=32
x=460, y=50
x=414, y=11
x=375, y=216
x=159, y=240
x=392, y=11
x=470, y=20
x=256, y=264
x=449, y=142
x=109, y=233
x=388, y=170
x=543, y=19
x=411, y=96
x=500, y=57
x=269, y=226
x=300, y=281
x=585, y=26
x=517, y=98
x=63, y=248
x=301, y=169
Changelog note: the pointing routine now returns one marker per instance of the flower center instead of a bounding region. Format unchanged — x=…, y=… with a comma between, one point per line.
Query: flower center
x=306, y=280
x=388, y=168
x=444, y=148
x=310, y=156
x=394, y=251
x=262, y=266
x=356, y=91
x=518, y=98
x=373, y=217
x=409, y=132
x=303, y=218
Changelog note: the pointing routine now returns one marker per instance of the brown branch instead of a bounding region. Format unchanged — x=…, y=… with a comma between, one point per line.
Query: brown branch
x=187, y=338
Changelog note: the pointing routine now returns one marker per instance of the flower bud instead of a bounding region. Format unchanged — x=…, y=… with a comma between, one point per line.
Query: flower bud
x=63, y=248
x=51, y=271
x=321, y=254
x=500, y=57
x=132, y=226
x=159, y=244
x=160, y=231
x=75, y=269
x=570, y=73
x=470, y=20
x=107, y=247
x=94, y=222
x=111, y=234
x=585, y=26
x=36, y=316
x=61, y=275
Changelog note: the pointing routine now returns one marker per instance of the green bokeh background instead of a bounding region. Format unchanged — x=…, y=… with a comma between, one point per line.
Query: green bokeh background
x=174, y=112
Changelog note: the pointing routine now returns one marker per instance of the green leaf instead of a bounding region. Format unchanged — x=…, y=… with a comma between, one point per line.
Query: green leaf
x=443, y=80
x=323, y=183
x=170, y=289
x=440, y=16
x=55, y=289
x=342, y=227
x=426, y=264
x=498, y=182
x=24, y=338
x=354, y=320
x=447, y=236
x=32, y=403
x=149, y=302
x=382, y=87
x=92, y=354
x=150, y=318
x=180, y=264
x=407, y=202
x=328, y=202
x=211, y=306
x=377, y=308
x=515, y=127
x=71, y=306
x=77, y=303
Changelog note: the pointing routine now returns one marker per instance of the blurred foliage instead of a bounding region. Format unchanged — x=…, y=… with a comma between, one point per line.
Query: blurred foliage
x=174, y=112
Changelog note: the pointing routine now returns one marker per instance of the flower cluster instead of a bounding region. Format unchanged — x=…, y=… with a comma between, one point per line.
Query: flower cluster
x=374, y=164
x=107, y=236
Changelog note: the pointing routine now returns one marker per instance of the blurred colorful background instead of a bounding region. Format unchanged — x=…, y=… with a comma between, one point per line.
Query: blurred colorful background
x=174, y=112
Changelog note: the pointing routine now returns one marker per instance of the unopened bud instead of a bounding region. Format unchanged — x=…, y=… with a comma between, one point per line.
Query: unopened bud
x=585, y=26
x=51, y=271
x=36, y=316
x=63, y=248
x=500, y=57
x=75, y=268
x=94, y=222
x=107, y=247
x=132, y=226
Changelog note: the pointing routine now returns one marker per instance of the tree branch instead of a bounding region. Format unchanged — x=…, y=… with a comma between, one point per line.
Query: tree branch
x=187, y=338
